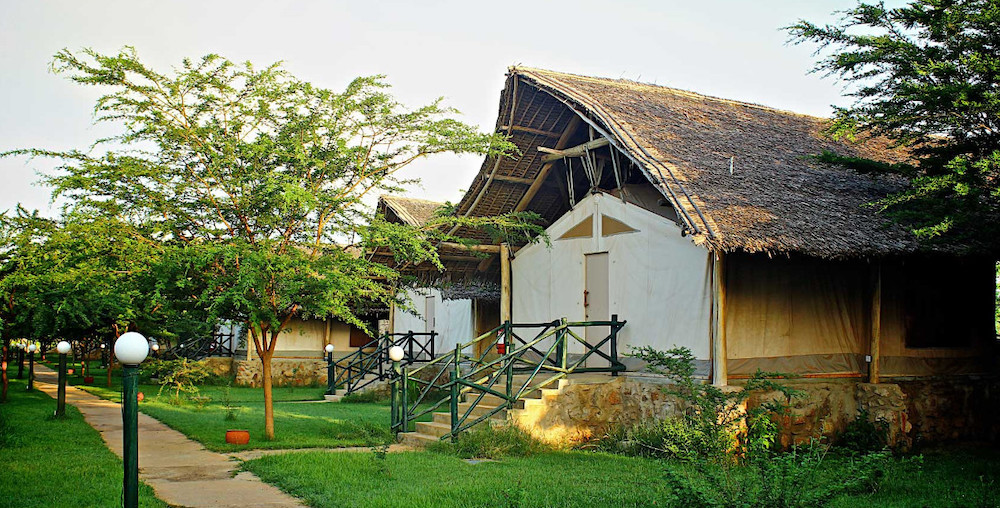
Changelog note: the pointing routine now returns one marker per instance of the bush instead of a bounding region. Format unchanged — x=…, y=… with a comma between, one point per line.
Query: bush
x=488, y=441
x=864, y=435
x=711, y=424
x=366, y=396
x=181, y=375
x=671, y=438
x=796, y=479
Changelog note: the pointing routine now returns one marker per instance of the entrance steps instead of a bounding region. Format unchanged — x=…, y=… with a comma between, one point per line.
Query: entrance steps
x=525, y=411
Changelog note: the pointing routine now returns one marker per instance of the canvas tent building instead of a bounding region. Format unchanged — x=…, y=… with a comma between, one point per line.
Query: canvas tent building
x=456, y=311
x=717, y=225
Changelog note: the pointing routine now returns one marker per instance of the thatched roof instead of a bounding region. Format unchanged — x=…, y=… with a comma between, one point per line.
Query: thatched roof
x=412, y=211
x=460, y=279
x=740, y=176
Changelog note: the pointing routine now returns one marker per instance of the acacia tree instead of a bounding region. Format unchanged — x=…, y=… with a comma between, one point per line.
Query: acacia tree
x=926, y=75
x=257, y=179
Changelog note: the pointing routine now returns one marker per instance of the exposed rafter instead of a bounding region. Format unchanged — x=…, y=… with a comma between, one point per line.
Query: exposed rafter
x=576, y=151
x=574, y=123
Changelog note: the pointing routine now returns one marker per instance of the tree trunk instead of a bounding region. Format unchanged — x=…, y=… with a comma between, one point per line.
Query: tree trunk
x=265, y=363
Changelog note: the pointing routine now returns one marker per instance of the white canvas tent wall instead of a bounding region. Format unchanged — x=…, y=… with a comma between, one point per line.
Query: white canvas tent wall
x=658, y=281
x=451, y=319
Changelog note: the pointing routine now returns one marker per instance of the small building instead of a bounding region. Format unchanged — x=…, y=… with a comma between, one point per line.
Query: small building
x=456, y=310
x=716, y=225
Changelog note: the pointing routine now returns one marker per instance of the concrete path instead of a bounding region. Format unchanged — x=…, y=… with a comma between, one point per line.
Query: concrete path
x=181, y=471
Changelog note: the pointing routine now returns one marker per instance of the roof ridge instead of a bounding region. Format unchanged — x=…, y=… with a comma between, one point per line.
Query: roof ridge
x=396, y=197
x=676, y=91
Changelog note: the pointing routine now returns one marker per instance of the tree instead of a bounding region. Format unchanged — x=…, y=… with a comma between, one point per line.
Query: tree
x=927, y=76
x=256, y=181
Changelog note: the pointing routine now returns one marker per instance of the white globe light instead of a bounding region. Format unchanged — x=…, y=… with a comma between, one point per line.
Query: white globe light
x=329, y=348
x=156, y=347
x=63, y=347
x=395, y=353
x=32, y=348
x=131, y=348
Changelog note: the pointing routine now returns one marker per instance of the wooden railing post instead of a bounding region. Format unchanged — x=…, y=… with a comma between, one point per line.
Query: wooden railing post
x=433, y=339
x=614, y=344
x=409, y=346
x=405, y=401
x=455, y=390
x=562, y=345
x=510, y=364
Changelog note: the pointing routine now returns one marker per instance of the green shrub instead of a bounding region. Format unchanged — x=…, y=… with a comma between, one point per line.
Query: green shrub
x=672, y=438
x=789, y=480
x=180, y=375
x=366, y=396
x=865, y=435
x=489, y=441
x=712, y=423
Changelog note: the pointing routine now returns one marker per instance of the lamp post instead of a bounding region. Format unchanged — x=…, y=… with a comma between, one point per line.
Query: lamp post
x=31, y=365
x=62, y=348
x=155, y=347
x=396, y=355
x=331, y=374
x=130, y=349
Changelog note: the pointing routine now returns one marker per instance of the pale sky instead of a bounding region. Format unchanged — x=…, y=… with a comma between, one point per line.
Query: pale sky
x=459, y=50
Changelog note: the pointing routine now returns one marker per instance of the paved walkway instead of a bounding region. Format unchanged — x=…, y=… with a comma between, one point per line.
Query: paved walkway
x=181, y=471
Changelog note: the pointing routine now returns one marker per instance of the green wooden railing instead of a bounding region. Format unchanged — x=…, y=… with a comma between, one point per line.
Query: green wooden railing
x=350, y=372
x=458, y=373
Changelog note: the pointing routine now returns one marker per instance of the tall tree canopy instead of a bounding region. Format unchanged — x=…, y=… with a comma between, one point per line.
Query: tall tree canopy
x=256, y=181
x=926, y=75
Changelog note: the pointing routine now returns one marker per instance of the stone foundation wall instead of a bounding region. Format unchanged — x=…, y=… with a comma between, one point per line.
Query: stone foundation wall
x=579, y=412
x=283, y=372
x=220, y=366
x=917, y=411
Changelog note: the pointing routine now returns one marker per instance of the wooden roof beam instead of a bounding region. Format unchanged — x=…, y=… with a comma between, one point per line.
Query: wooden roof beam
x=576, y=151
x=514, y=179
x=529, y=130
x=574, y=123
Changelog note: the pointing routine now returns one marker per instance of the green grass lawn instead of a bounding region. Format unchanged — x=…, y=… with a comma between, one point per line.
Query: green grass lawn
x=297, y=424
x=46, y=462
x=961, y=478
x=429, y=479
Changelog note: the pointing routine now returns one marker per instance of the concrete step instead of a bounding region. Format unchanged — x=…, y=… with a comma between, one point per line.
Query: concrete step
x=445, y=416
x=416, y=439
x=433, y=428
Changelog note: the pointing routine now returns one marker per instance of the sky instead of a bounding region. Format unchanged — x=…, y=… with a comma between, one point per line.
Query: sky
x=427, y=49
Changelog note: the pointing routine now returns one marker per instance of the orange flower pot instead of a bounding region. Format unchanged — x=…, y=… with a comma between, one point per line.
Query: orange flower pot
x=240, y=437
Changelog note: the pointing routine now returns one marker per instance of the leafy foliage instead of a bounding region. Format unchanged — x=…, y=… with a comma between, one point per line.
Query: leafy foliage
x=712, y=422
x=925, y=75
x=180, y=375
x=491, y=441
x=864, y=434
x=790, y=480
x=253, y=184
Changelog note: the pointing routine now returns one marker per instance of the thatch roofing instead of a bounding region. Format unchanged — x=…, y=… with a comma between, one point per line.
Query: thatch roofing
x=741, y=176
x=412, y=211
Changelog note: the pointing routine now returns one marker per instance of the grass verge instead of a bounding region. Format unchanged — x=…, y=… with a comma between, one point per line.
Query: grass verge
x=297, y=425
x=47, y=462
x=419, y=479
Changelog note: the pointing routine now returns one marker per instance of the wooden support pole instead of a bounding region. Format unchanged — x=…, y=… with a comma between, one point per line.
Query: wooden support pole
x=505, y=293
x=489, y=249
x=876, y=338
x=720, y=363
x=576, y=151
x=544, y=172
